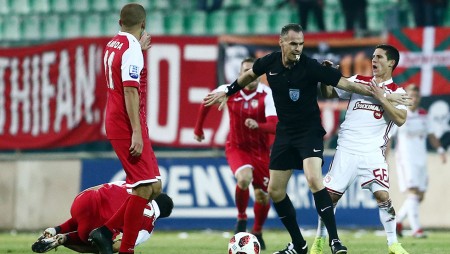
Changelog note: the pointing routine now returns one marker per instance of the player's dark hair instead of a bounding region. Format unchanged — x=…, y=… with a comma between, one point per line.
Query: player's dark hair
x=248, y=60
x=165, y=204
x=132, y=14
x=294, y=27
x=391, y=53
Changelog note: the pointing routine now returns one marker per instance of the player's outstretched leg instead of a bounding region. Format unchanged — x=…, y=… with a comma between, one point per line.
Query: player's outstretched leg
x=324, y=207
x=286, y=212
x=102, y=238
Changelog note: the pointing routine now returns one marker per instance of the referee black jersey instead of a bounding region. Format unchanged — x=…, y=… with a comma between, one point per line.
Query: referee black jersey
x=295, y=90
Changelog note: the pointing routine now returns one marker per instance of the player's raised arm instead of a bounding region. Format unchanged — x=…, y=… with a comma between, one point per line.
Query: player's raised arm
x=231, y=89
x=352, y=87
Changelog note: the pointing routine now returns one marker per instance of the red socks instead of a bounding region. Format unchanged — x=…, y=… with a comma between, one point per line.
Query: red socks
x=242, y=197
x=132, y=222
x=261, y=211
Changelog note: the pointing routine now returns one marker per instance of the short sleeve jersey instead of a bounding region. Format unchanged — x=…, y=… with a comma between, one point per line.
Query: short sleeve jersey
x=411, y=138
x=257, y=105
x=123, y=63
x=366, y=129
x=294, y=90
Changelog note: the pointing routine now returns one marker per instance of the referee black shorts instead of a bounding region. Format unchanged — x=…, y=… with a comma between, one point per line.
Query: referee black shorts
x=290, y=148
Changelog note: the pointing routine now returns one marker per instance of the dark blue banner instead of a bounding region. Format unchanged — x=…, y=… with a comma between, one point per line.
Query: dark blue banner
x=203, y=193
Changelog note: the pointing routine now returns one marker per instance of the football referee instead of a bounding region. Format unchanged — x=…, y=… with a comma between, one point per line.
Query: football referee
x=293, y=78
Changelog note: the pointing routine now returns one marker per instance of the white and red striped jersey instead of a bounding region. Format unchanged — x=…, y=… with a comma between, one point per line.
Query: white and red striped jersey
x=411, y=138
x=123, y=62
x=257, y=104
x=366, y=129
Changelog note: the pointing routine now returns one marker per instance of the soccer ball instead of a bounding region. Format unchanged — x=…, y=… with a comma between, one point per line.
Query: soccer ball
x=244, y=243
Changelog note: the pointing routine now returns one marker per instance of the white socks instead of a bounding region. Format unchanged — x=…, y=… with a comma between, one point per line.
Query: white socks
x=413, y=212
x=387, y=218
x=410, y=208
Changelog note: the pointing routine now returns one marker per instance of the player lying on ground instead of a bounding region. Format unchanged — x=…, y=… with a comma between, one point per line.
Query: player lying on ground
x=90, y=209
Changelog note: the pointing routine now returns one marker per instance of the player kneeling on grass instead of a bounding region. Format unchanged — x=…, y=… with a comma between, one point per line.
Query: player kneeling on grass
x=93, y=207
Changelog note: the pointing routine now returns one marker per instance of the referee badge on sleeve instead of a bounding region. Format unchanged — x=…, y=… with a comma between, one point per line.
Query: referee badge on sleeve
x=294, y=94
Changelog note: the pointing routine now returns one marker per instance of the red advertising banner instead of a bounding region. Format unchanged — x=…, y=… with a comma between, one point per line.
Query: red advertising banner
x=182, y=70
x=51, y=95
x=54, y=95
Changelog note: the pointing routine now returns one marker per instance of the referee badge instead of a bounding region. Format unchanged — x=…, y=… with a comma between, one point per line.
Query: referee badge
x=294, y=94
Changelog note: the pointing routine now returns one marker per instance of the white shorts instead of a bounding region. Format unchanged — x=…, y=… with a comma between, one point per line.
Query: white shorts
x=346, y=167
x=411, y=175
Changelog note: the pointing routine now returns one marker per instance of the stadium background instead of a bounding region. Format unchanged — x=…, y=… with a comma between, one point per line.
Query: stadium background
x=52, y=101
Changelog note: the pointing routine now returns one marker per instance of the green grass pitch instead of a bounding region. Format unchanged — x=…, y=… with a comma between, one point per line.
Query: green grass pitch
x=215, y=242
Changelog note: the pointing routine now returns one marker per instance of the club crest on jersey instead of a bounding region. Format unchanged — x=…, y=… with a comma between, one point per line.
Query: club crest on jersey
x=134, y=71
x=294, y=94
x=377, y=109
x=254, y=103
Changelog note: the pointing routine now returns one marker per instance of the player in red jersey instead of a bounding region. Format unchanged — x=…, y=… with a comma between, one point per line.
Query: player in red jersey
x=93, y=207
x=362, y=139
x=126, y=128
x=252, y=119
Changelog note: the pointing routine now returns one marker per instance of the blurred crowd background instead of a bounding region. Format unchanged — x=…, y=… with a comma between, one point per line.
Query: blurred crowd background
x=24, y=22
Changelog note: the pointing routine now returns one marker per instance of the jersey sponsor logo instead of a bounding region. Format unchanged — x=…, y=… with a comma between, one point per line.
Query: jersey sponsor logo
x=377, y=109
x=294, y=94
x=134, y=71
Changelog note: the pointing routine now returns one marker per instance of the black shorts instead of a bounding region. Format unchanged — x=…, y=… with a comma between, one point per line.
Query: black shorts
x=291, y=148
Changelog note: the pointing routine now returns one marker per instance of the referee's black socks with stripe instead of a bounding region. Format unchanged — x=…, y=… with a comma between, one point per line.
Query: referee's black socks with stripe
x=286, y=213
x=324, y=206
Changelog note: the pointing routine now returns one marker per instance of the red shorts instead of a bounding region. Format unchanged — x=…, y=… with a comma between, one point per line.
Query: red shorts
x=238, y=159
x=85, y=212
x=140, y=170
